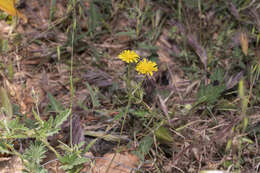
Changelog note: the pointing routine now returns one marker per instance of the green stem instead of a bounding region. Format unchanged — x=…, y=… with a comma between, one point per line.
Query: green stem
x=71, y=65
x=130, y=97
x=128, y=81
x=51, y=148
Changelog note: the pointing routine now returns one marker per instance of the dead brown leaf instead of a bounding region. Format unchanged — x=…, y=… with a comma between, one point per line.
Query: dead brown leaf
x=99, y=78
x=234, y=11
x=122, y=163
x=141, y=4
x=52, y=164
x=5, y=29
x=11, y=165
x=163, y=107
x=244, y=43
x=16, y=92
x=233, y=80
x=198, y=48
x=165, y=48
x=33, y=93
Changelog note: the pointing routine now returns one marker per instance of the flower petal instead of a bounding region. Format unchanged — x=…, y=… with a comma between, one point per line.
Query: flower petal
x=146, y=67
x=129, y=56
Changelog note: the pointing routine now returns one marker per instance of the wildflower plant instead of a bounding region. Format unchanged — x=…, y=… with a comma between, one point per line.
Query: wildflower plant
x=144, y=67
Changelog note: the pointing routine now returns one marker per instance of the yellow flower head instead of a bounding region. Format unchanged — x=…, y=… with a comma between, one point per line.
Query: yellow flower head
x=129, y=56
x=146, y=67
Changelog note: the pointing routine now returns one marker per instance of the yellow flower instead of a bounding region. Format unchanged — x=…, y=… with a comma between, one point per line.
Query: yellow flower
x=146, y=67
x=129, y=56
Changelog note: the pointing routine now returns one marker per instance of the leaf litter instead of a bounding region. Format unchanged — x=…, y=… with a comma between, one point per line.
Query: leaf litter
x=196, y=136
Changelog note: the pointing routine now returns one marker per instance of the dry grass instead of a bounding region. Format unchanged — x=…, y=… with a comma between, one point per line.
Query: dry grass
x=191, y=116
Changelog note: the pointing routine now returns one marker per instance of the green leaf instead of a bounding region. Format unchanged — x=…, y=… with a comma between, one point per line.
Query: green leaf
x=144, y=147
x=225, y=105
x=61, y=117
x=10, y=71
x=13, y=129
x=34, y=155
x=37, y=117
x=71, y=160
x=140, y=113
x=3, y=148
x=241, y=92
x=211, y=93
x=93, y=95
x=90, y=145
x=145, y=144
x=4, y=47
x=217, y=75
x=147, y=46
x=57, y=107
x=49, y=128
x=95, y=17
x=164, y=135
x=120, y=115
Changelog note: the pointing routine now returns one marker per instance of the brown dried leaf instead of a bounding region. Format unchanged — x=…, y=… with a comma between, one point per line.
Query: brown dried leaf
x=166, y=47
x=233, y=80
x=77, y=131
x=32, y=85
x=200, y=51
x=234, y=11
x=11, y=165
x=5, y=29
x=45, y=81
x=142, y=4
x=54, y=165
x=99, y=78
x=196, y=153
x=244, y=43
x=235, y=40
x=16, y=92
x=163, y=107
x=256, y=16
x=122, y=163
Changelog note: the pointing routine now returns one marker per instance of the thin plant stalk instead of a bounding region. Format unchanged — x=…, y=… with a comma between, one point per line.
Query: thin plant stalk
x=51, y=148
x=71, y=64
x=131, y=92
